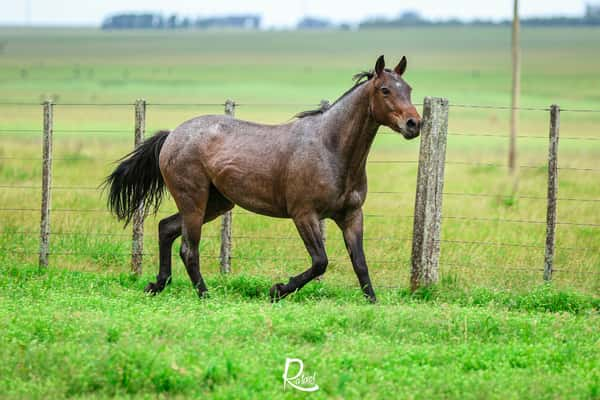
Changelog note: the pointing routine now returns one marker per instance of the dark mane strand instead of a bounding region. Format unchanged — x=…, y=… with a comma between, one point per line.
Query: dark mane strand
x=358, y=79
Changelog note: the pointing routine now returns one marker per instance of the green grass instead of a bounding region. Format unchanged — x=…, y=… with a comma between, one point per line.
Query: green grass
x=94, y=335
x=490, y=329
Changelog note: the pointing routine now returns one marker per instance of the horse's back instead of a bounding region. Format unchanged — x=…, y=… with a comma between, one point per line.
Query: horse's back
x=245, y=161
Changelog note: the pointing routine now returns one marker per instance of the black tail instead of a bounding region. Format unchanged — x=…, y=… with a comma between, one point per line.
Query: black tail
x=137, y=180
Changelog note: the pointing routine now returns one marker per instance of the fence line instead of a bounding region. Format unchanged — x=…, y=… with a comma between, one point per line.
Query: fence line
x=371, y=192
x=477, y=164
x=252, y=258
x=111, y=132
x=217, y=104
x=246, y=213
x=225, y=256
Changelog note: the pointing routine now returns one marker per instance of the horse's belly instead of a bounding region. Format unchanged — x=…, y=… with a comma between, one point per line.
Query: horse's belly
x=254, y=190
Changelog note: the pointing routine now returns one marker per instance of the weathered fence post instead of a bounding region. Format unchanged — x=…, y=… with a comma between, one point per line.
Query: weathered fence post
x=137, y=244
x=226, y=220
x=428, y=199
x=552, y=191
x=46, y=184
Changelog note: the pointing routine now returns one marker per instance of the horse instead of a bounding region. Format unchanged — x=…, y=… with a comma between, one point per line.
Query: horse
x=309, y=169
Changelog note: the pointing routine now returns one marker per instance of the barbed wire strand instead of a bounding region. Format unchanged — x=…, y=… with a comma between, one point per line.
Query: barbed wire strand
x=242, y=104
x=376, y=192
x=393, y=238
x=245, y=213
x=34, y=253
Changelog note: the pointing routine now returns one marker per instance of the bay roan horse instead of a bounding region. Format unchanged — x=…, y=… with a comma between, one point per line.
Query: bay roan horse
x=311, y=168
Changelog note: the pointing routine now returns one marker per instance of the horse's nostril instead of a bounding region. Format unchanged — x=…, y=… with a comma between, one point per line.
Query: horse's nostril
x=411, y=123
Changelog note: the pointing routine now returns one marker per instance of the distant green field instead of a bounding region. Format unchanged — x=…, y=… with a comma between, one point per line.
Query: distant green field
x=491, y=269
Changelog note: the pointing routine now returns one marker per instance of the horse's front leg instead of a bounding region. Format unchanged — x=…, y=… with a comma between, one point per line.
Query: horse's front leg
x=309, y=229
x=351, y=225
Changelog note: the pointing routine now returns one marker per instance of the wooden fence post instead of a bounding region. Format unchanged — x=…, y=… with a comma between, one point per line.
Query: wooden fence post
x=137, y=244
x=552, y=191
x=46, y=184
x=428, y=199
x=226, y=220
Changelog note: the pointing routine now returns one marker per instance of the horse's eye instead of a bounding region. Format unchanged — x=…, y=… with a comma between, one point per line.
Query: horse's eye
x=385, y=91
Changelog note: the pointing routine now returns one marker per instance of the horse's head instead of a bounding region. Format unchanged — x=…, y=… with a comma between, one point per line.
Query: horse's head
x=390, y=100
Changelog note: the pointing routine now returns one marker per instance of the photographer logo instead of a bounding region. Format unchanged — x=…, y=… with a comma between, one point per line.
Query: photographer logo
x=300, y=381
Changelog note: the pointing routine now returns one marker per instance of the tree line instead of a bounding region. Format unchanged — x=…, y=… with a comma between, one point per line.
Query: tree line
x=405, y=19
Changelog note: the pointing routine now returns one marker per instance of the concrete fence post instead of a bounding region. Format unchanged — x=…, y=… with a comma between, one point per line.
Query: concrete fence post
x=428, y=199
x=137, y=244
x=226, y=220
x=46, y=184
x=552, y=191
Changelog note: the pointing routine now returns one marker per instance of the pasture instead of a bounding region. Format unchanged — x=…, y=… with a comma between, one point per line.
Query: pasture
x=490, y=329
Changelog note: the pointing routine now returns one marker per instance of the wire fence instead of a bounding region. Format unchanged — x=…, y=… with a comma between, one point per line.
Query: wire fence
x=9, y=132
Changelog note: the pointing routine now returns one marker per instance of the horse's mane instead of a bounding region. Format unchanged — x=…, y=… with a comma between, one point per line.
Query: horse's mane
x=358, y=79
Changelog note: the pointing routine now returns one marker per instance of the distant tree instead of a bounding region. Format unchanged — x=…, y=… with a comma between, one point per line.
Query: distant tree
x=411, y=17
x=314, y=23
x=172, y=22
x=133, y=21
x=592, y=11
x=228, y=22
x=157, y=21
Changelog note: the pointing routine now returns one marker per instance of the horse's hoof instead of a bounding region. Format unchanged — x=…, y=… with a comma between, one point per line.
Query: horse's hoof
x=203, y=295
x=372, y=299
x=153, y=288
x=276, y=292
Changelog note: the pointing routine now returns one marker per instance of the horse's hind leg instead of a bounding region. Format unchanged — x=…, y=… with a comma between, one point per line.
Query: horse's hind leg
x=310, y=231
x=206, y=205
x=169, y=229
x=192, y=198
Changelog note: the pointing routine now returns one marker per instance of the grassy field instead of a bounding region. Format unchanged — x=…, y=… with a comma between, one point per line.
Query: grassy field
x=93, y=335
x=491, y=329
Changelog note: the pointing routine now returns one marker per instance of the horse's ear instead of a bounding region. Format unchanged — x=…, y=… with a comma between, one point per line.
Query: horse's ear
x=379, y=65
x=401, y=67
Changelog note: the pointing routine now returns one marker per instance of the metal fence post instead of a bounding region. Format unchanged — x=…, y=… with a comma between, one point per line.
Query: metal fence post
x=46, y=184
x=428, y=199
x=137, y=244
x=552, y=191
x=226, y=220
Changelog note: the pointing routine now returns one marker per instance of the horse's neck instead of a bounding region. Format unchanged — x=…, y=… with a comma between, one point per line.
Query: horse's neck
x=350, y=131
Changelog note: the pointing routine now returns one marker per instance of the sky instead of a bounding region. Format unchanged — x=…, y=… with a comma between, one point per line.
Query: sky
x=275, y=13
